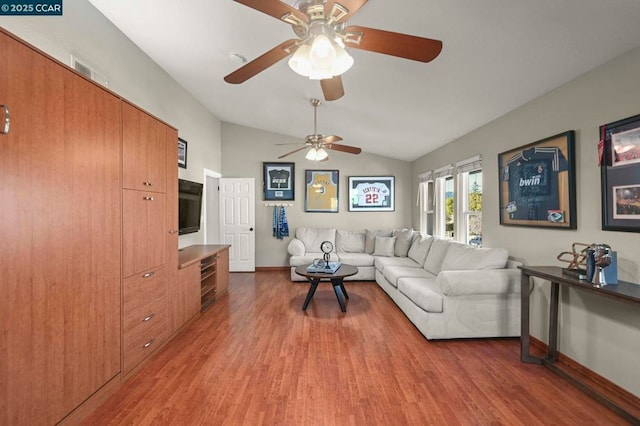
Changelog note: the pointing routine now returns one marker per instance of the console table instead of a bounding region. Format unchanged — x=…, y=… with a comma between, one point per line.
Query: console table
x=623, y=291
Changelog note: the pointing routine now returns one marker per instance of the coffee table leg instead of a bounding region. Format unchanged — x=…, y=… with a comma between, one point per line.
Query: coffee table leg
x=312, y=291
x=344, y=290
x=338, y=289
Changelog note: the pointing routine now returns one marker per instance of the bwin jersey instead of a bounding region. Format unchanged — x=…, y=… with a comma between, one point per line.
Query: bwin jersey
x=278, y=179
x=532, y=177
x=371, y=195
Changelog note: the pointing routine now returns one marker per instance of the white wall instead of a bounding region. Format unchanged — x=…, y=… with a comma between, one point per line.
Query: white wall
x=602, y=334
x=84, y=32
x=243, y=151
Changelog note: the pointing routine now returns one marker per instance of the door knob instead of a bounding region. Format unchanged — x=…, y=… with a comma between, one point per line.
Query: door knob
x=250, y=229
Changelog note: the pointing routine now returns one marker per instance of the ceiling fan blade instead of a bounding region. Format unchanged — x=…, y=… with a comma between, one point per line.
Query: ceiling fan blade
x=331, y=139
x=343, y=148
x=352, y=7
x=292, y=152
x=274, y=8
x=261, y=63
x=395, y=44
x=332, y=88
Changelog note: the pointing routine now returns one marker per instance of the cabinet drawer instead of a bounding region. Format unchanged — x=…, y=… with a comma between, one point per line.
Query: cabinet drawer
x=145, y=316
x=143, y=288
x=140, y=343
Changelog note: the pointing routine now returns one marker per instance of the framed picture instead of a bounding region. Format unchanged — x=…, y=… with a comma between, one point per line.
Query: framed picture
x=321, y=191
x=182, y=153
x=278, y=181
x=620, y=175
x=371, y=193
x=538, y=184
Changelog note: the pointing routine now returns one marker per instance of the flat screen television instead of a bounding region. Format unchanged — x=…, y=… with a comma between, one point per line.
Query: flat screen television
x=189, y=206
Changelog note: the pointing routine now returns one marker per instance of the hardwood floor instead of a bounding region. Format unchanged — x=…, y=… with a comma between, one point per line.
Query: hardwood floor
x=255, y=358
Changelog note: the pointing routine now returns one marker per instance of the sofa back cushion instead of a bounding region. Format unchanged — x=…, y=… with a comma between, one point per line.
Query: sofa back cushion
x=349, y=241
x=384, y=246
x=370, y=238
x=436, y=254
x=463, y=257
x=313, y=237
x=419, y=249
x=404, y=238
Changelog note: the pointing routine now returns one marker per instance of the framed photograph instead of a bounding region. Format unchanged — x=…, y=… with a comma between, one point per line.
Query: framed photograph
x=620, y=175
x=538, y=184
x=278, y=181
x=371, y=193
x=182, y=153
x=321, y=191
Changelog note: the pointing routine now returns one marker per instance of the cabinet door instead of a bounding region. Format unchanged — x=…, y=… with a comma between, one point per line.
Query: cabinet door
x=144, y=150
x=185, y=296
x=144, y=233
x=222, y=275
x=60, y=226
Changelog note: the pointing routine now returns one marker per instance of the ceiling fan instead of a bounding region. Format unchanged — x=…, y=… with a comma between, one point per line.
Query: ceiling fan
x=318, y=52
x=316, y=143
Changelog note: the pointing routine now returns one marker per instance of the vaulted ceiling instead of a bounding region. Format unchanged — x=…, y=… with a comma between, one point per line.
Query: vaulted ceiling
x=496, y=56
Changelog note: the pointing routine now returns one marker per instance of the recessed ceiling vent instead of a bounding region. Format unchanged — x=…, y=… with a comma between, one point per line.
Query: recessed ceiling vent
x=81, y=66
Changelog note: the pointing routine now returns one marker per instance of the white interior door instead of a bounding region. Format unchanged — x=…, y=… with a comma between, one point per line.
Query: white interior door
x=237, y=222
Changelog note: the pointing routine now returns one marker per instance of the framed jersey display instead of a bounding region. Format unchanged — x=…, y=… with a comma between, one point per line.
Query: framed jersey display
x=620, y=175
x=278, y=181
x=321, y=191
x=371, y=193
x=538, y=184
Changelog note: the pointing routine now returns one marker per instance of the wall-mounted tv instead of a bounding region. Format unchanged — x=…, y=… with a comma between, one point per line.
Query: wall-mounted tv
x=189, y=206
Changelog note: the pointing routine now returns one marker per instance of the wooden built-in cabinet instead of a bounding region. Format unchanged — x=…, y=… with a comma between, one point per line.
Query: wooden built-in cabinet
x=185, y=296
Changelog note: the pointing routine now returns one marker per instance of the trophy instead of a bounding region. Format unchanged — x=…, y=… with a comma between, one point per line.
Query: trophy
x=598, y=258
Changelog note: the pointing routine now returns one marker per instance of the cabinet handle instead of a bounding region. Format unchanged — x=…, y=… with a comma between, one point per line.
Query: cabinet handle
x=150, y=317
x=147, y=183
x=149, y=343
x=148, y=274
x=173, y=231
x=7, y=122
x=147, y=198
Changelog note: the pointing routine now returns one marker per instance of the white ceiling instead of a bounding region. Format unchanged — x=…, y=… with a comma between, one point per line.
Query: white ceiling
x=497, y=55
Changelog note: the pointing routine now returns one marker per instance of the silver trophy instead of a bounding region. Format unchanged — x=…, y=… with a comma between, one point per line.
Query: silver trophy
x=602, y=259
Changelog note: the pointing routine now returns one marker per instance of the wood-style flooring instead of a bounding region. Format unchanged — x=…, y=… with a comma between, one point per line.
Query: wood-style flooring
x=255, y=358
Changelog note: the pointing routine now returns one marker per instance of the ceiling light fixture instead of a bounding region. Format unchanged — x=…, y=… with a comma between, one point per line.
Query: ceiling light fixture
x=322, y=55
x=316, y=154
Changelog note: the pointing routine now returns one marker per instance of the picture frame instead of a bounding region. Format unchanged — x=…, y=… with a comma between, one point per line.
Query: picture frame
x=537, y=184
x=321, y=191
x=278, y=181
x=182, y=153
x=372, y=193
x=620, y=175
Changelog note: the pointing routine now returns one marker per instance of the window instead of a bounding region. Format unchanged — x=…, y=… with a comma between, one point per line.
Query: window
x=471, y=217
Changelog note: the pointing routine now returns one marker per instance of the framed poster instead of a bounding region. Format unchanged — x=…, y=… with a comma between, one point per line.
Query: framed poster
x=371, y=193
x=321, y=191
x=278, y=181
x=538, y=184
x=182, y=153
x=620, y=175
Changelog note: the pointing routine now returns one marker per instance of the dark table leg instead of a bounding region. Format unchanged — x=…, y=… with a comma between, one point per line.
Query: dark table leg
x=552, y=355
x=312, y=291
x=524, y=322
x=338, y=288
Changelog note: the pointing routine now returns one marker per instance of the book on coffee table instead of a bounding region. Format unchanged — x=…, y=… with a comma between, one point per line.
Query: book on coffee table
x=331, y=268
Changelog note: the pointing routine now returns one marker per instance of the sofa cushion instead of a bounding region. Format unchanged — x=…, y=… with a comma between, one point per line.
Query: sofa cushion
x=382, y=262
x=436, y=255
x=313, y=237
x=394, y=273
x=404, y=237
x=356, y=259
x=419, y=249
x=384, y=246
x=349, y=241
x=425, y=293
x=370, y=238
x=295, y=247
x=464, y=257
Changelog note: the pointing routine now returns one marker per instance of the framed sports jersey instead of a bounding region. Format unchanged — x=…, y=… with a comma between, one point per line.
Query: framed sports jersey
x=371, y=193
x=321, y=191
x=620, y=175
x=278, y=181
x=538, y=184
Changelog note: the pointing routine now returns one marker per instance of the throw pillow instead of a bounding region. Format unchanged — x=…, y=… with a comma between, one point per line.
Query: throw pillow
x=419, y=249
x=384, y=246
x=404, y=238
x=370, y=238
x=349, y=241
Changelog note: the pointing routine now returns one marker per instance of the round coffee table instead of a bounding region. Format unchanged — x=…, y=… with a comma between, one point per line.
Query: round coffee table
x=336, y=281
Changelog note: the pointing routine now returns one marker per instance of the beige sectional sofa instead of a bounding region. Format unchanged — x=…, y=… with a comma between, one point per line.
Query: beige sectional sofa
x=446, y=289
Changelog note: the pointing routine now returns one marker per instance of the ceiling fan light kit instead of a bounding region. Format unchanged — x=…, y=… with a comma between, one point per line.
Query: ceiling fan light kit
x=323, y=34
